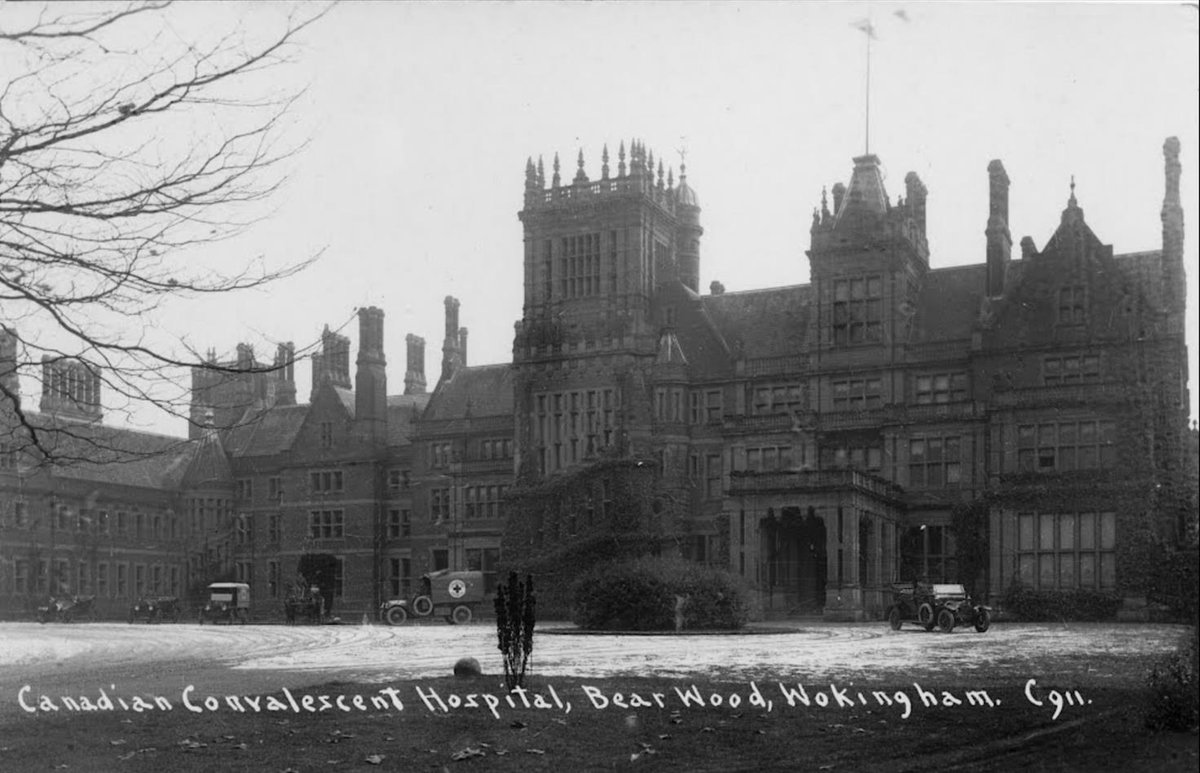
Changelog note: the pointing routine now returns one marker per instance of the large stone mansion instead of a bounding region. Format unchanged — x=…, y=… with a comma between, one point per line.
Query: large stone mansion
x=1022, y=419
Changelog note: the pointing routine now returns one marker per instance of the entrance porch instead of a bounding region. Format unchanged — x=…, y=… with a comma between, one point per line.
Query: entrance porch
x=816, y=543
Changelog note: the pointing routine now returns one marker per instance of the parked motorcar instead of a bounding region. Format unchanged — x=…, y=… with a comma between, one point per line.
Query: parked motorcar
x=66, y=609
x=455, y=595
x=228, y=601
x=942, y=605
x=155, y=609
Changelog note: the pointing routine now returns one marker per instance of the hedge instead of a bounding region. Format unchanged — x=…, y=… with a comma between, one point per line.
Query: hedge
x=1058, y=605
x=641, y=595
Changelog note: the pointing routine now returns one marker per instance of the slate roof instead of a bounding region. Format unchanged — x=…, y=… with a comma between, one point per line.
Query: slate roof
x=115, y=456
x=759, y=323
x=403, y=412
x=487, y=389
x=209, y=463
x=268, y=432
x=1144, y=269
x=949, y=303
x=347, y=398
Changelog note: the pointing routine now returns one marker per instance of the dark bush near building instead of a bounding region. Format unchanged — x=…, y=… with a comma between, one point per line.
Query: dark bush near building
x=1175, y=584
x=643, y=595
x=1175, y=688
x=1035, y=606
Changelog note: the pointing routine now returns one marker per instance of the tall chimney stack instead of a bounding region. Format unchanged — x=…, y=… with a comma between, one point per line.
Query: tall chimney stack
x=451, y=353
x=999, y=240
x=370, y=378
x=1172, y=229
x=285, y=374
x=414, y=376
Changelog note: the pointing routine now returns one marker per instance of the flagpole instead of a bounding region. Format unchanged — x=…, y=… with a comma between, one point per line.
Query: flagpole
x=869, y=32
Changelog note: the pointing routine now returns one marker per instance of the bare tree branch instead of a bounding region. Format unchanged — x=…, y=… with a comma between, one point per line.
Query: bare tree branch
x=125, y=150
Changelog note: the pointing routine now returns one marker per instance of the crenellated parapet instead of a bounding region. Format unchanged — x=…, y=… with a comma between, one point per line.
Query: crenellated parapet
x=637, y=174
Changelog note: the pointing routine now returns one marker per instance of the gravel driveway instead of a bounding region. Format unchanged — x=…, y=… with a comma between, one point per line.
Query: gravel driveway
x=148, y=658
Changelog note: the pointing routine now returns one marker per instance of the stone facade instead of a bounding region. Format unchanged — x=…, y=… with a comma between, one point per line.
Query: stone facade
x=1021, y=419
x=825, y=440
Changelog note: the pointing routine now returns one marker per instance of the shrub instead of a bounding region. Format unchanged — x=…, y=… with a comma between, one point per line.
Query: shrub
x=1058, y=605
x=1175, y=584
x=1174, y=689
x=641, y=595
x=516, y=606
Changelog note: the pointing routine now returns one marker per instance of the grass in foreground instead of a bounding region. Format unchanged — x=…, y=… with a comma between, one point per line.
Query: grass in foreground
x=671, y=732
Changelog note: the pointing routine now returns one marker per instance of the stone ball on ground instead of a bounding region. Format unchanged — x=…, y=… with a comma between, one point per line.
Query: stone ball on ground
x=467, y=668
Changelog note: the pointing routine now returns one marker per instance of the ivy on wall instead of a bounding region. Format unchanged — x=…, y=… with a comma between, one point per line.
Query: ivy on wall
x=613, y=509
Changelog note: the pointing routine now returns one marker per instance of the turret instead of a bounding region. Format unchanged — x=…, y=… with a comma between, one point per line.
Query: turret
x=689, y=232
x=605, y=241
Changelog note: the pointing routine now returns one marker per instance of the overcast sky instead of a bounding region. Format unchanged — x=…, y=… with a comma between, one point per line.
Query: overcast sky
x=421, y=117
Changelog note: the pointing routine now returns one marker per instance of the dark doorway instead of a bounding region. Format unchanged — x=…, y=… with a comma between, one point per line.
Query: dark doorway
x=320, y=569
x=796, y=558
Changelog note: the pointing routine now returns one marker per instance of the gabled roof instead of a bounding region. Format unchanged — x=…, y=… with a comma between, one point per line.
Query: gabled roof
x=482, y=390
x=403, y=411
x=267, y=432
x=1073, y=237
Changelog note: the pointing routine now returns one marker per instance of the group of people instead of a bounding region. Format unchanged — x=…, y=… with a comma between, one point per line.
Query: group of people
x=304, y=600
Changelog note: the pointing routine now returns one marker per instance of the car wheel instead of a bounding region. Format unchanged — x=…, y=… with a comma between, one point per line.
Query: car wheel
x=461, y=615
x=945, y=621
x=926, y=617
x=422, y=606
x=395, y=616
x=983, y=621
x=894, y=619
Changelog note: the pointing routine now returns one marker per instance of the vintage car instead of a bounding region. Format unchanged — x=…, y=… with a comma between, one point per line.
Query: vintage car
x=942, y=605
x=67, y=609
x=155, y=609
x=455, y=595
x=228, y=601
